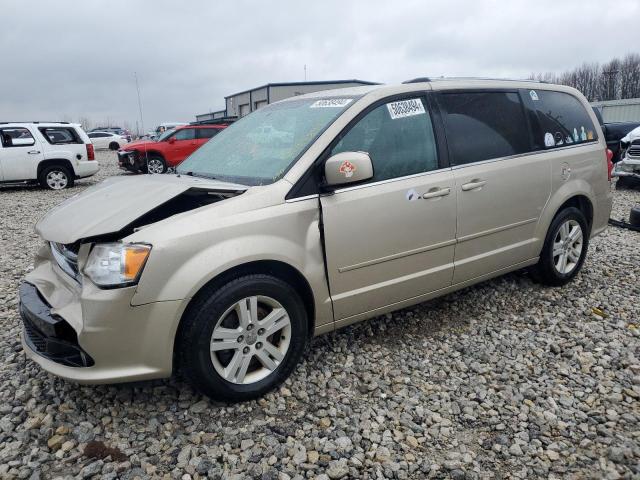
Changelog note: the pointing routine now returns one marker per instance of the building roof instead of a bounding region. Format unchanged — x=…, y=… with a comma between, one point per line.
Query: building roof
x=294, y=84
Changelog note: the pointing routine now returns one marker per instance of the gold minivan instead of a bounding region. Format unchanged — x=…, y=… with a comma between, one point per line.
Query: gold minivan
x=308, y=215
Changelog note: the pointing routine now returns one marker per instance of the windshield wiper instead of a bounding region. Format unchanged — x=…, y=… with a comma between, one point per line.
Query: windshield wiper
x=191, y=173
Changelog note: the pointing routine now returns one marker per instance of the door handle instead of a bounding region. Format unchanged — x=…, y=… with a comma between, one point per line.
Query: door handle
x=33, y=152
x=473, y=185
x=440, y=192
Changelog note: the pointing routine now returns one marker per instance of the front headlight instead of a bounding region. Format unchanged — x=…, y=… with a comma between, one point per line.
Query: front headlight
x=116, y=264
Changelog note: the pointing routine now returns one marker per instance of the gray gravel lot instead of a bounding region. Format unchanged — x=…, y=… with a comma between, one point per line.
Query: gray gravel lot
x=506, y=379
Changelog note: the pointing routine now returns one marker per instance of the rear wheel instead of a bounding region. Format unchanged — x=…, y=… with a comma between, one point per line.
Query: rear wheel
x=156, y=164
x=56, y=177
x=243, y=339
x=114, y=146
x=565, y=248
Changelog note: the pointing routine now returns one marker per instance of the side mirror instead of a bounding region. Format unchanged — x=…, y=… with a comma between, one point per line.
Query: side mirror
x=347, y=167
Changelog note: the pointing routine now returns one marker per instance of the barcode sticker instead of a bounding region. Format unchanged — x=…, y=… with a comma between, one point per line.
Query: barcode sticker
x=331, y=103
x=405, y=108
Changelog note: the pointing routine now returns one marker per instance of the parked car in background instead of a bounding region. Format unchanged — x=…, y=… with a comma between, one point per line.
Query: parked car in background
x=117, y=130
x=53, y=154
x=171, y=148
x=384, y=196
x=614, y=133
x=107, y=140
x=628, y=169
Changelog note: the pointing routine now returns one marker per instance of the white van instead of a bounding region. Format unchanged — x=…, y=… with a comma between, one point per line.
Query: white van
x=53, y=154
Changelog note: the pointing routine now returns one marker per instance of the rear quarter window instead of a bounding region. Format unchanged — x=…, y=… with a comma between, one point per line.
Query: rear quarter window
x=558, y=119
x=60, y=135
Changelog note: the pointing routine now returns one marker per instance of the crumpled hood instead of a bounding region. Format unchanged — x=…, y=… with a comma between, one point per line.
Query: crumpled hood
x=631, y=136
x=115, y=203
x=137, y=144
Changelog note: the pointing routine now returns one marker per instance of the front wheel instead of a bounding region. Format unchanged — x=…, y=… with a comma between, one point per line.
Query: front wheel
x=565, y=248
x=243, y=339
x=156, y=165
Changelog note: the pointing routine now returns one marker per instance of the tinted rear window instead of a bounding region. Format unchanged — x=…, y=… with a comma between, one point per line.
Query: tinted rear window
x=558, y=119
x=60, y=135
x=484, y=125
x=206, y=132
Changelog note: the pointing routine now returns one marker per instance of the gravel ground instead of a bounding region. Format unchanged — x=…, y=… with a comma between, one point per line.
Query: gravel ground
x=506, y=379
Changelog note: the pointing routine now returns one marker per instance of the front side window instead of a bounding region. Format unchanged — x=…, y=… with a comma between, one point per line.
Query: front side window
x=259, y=148
x=16, y=137
x=398, y=136
x=484, y=125
x=558, y=119
x=185, y=134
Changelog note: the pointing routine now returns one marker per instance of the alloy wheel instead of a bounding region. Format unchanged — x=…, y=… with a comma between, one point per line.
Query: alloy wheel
x=250, y=340
x=57, y=180
x=567, y=247
x=155, y=166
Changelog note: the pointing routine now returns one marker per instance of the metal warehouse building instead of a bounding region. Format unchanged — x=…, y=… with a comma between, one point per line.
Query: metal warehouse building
x=242, y=103
x=627, y=110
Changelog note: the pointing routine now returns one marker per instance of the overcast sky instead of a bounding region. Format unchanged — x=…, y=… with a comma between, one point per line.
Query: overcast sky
x=66, y=60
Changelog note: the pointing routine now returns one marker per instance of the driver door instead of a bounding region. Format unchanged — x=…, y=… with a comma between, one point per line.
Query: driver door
x=185, y=143
x=391, y=239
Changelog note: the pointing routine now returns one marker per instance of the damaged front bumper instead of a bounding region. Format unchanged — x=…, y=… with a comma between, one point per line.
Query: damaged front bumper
x=80, y=332
x=129, y=161
x=628, y=167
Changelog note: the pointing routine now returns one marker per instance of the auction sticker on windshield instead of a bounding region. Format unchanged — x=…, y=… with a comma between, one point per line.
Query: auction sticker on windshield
x=405, y=108
x=332, y=103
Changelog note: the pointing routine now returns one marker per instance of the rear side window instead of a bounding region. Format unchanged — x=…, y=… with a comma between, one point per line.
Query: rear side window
x=557, y=119
x=484, y=125
x=185, y=134
x=16, y=137
x=206, y=132
x=398, y=136
x=60, y=135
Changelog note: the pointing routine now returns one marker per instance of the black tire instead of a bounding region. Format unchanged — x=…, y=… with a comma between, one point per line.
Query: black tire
x=114, y=146
x=634, y=216
x=193, y=347
x=545, y=270
x=61, y=170
x=154, y=157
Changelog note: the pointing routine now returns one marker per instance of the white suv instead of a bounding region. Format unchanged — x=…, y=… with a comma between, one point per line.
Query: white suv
x=54, y=154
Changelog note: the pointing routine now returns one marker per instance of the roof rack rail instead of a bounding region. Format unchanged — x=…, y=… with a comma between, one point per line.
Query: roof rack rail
x=418, y=80
x=40, y=121
x=487, y=78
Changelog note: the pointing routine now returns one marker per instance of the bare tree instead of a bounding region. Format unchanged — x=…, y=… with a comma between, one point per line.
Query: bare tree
x=86, y=123
x=616, y=79
x=630, y=76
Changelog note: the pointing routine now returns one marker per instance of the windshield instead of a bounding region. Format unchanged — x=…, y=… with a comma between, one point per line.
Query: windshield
x=165, y=135
x=259, y=148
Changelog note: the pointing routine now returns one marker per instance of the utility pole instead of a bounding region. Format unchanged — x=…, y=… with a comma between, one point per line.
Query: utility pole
x=139, y=102
x=610, y=74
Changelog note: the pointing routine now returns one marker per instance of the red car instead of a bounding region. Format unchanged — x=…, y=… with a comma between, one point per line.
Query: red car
x=168, y=151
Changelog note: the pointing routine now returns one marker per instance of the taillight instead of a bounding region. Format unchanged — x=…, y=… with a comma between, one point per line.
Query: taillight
x=609, y=163
x=91, y=154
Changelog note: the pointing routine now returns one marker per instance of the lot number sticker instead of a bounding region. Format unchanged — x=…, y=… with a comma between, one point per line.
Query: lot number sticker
x=332, y=103
x=405, y=108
